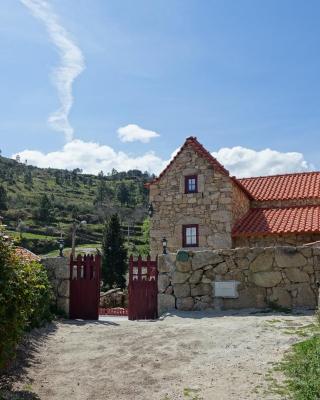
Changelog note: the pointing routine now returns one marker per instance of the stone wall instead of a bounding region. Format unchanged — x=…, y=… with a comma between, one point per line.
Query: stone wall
x=58, y=273
x=284, y=276
x=276, y=240
x=240, y=203
x=211, y=208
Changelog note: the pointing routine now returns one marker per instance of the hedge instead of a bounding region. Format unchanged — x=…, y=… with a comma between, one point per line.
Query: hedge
x=25, y=296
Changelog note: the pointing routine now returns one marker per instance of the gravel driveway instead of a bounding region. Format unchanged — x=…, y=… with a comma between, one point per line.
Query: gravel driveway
x=184, y=356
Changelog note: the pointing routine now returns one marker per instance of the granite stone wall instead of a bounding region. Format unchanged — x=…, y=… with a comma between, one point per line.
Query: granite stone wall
x=211, y=208
x=58, y=273
x=283, y=276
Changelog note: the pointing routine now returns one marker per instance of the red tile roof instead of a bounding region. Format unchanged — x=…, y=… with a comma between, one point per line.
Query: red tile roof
x=265, y=221
x=284, y=187
x=26, y=254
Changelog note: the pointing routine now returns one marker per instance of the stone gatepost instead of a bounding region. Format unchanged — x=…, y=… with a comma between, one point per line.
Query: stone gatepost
x=58, y=273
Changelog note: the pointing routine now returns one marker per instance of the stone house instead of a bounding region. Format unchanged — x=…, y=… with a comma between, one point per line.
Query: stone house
x=197, y=204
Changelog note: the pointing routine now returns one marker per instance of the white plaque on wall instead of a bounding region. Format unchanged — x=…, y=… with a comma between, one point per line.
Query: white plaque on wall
x=227, y=289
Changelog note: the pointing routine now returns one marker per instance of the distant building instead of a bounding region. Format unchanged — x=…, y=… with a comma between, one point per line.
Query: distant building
x=197, y=204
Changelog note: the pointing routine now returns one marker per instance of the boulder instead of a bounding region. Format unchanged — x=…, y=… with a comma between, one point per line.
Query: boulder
x=266, y=279
x=305, y=297
x=180, y=277
x=196, y=276
x=295, y=275
x=249, y=297
x=263, y=262
x=183, y=266
x=221, y=268
x=185, y=304
x=202, y=258
x=201, y=289
x=281, y=297
x=165, y=263
x=289, y=257
x=181, y=290
x=163, y=282
x=166, y=302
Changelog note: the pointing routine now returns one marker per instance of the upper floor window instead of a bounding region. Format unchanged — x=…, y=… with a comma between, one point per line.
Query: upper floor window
x=191, y=184
x=190, y=235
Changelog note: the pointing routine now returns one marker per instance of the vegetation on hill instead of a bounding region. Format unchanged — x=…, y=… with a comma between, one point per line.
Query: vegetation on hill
x=45, y=201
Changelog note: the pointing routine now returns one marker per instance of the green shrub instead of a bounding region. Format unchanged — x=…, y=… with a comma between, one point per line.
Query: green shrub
x=25, y=296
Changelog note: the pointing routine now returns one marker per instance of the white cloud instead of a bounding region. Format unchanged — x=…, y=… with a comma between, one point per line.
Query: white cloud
x=132, y=133
x=243, y=162
x=72, y=63
x=92, y=158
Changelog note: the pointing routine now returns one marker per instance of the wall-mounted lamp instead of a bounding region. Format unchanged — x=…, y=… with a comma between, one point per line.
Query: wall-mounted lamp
x=164, y=245
x=150, y=210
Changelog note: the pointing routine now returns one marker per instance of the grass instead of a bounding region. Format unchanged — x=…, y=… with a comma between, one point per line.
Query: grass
x=300, y=366
x=27, y=235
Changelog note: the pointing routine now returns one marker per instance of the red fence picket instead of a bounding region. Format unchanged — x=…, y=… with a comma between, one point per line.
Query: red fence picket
x=143, y=289
x=85, y=287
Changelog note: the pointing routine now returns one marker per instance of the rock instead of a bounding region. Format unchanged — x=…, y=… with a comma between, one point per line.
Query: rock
x=221, y=268
x=201, y=289
x=196, y=276
x=166, y=302
x=250, y=297
x=206, y=280
x=183, y=266
x=289, y=257
x=163, y=282
x=210, y=274
x=263, y=262
x=306, y=297
x=203, y=258
x=295, y=275
x=199, y=306
x=64, y=288
x=181, y=290
x=180, y=277
x=165, y=263
x=266, y=279
x=169, y=290
x=63, y=304
x=185, y=304
x=281, y=297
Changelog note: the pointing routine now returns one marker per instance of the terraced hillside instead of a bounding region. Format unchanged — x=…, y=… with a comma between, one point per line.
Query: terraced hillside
x=39, y=204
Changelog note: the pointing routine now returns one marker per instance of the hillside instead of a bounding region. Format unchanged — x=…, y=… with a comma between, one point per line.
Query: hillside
x=38, y=204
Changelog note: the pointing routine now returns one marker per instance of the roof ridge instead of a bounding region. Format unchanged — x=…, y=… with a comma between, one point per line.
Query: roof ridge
x=277, y=175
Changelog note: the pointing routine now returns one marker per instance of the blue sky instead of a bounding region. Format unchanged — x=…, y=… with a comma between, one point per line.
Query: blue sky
x=242, y=76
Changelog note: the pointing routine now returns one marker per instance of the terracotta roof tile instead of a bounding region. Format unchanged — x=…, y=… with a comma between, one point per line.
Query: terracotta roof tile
x=284, y=187
x=266, y=221
x=26, y=254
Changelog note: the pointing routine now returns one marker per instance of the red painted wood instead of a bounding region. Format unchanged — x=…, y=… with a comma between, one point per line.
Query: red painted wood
x=143, y=289
x=184, y=235
x=85, y=287
x=113, y=311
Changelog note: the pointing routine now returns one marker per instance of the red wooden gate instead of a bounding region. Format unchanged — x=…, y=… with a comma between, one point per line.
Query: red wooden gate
x=143, y=289
x=85, y=287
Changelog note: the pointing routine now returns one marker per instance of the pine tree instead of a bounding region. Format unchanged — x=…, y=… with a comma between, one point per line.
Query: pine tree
x=123, y=194
x=46, y=209
x=3, y=199
x=114, y=255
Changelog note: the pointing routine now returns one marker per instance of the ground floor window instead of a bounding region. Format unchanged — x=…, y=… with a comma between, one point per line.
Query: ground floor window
x=190, y=235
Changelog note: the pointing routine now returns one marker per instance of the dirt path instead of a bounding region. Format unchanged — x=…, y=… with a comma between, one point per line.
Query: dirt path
x=206, y=356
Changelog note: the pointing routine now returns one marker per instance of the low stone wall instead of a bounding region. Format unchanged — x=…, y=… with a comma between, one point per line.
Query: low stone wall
x=58, y=273
x=285, y=276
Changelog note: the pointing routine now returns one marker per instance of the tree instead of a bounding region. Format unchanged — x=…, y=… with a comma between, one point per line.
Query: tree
x=3, y=199
x=114, y=254
x=123, y=194
x=46, y=209
x=28, y=178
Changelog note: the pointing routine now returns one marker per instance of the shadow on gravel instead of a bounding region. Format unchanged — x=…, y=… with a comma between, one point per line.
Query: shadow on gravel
x=26, y=355
x=250, y=312
x=80, y=322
